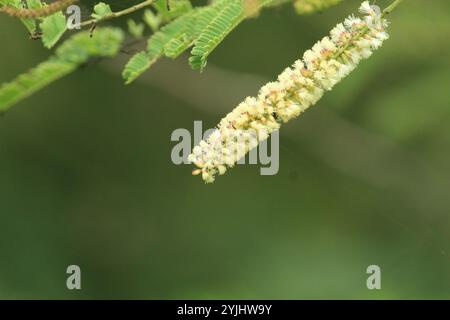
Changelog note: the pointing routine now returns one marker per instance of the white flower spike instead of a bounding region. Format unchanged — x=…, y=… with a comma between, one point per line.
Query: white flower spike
x=299, y=87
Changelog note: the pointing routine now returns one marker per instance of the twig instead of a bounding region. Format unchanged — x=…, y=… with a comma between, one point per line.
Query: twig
x=113, y=15
x=391, y=7
x=28, y=13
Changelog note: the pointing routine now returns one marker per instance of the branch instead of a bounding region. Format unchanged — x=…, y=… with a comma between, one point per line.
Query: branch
x=28, y=13
x=117, y=14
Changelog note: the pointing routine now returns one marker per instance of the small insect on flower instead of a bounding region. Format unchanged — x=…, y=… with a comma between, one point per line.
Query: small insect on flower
x=297, y=88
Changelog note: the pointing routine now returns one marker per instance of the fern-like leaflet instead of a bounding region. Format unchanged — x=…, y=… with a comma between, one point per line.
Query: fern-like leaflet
x=204, y=28
x=170, y=36
x=226, y=16
x=71, y=54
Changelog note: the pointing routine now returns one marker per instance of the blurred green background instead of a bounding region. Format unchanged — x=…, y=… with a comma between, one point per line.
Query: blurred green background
x=86, y=176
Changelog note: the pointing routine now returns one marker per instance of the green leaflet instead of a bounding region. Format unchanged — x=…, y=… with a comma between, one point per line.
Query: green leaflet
x=177, y=9
x=204, y=28
x=79, y=48
x=135, y=29
x=172, y=40
x=73, y=52
x=140, y=62
x=101, y=10
x=224, y=17
x=177, y=30
x=27, y=84
x=53, y=27
x=152, y=20
x=34, y=4
x=192, y=27
x=30, y=24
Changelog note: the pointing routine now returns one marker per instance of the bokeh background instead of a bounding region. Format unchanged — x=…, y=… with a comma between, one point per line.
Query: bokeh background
x=86, y=176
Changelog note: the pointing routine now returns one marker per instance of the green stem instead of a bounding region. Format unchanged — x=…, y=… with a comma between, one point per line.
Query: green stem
x=391, y=7
x=118, y=14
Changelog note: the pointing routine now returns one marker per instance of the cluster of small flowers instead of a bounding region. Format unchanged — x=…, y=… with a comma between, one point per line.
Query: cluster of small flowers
x=297, y=88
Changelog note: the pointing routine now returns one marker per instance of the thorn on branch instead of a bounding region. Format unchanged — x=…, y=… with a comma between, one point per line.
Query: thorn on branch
x=92, y=29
